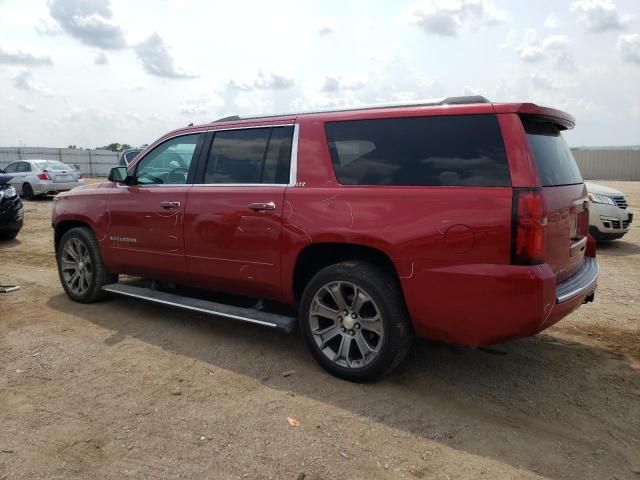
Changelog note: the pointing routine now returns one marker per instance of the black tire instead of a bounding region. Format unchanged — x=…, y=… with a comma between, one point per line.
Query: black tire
x=27, y=191
x=97, y=277
x=9, y=235
x=386, y=297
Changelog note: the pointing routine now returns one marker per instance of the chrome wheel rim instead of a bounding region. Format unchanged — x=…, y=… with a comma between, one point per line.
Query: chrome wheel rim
x=346, y=324
x=75, y=263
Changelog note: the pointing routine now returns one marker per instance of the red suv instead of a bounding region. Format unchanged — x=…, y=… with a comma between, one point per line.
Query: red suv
x=462, y=221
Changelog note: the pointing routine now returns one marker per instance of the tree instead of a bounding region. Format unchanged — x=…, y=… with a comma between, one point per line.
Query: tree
x=116, y=147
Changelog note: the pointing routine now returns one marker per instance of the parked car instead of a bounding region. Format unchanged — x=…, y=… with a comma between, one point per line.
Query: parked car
x=128, y=156
x=609, y=216
x=32, y=178
x=461, y=220
x=11, y=210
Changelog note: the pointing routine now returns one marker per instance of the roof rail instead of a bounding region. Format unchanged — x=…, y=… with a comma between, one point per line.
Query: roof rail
x=466, y=100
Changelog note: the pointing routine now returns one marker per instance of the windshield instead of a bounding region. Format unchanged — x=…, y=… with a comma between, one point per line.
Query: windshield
x=556, y=165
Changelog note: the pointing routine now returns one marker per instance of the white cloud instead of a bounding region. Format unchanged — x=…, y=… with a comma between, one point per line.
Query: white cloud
x=552, y=21
x=325, y=30
x=262, y=81
x=599, y=15
x=101, y=59
x=335, y=85
x=156, y=59
x=26, y=108
x=90, y=21
x=272, y=81
x=18, y=57
x=554, y=48
x=629, y=47
x=448, y=17
x=202, y=104
x=23, y=80
x=542, y=81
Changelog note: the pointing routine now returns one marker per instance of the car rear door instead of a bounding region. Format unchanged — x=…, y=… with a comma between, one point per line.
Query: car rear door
x=233, y=218
x=145, y=234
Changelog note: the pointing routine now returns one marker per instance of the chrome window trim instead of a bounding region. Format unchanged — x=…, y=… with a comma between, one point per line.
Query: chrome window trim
x=293, y=163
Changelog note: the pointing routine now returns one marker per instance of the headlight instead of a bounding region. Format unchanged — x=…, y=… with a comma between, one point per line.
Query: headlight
x=595, y=198
x=7, y=193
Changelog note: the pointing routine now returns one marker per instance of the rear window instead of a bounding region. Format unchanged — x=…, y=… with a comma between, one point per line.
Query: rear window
x=450, y=150
x=52, y=165
x=556, y=165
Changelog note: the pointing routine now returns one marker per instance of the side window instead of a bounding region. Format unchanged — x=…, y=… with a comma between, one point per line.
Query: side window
x=447, y=150
x=23, y=167
x=169, y=162
x=11, y=168
x=278, y=159
x=254, y=155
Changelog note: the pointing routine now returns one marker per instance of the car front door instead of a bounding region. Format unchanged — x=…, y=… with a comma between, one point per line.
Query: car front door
x=145, y=235
x=233, y=219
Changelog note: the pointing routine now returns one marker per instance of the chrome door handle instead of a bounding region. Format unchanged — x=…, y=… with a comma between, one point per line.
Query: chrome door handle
x=262, y=206
x=167, y=204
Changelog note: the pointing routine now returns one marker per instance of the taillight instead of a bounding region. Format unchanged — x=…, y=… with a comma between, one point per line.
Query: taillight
x=80, y=175
x=44, y=176
x=528, y=221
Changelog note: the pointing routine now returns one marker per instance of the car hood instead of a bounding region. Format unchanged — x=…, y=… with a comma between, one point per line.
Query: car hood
x=83, y=189
x=602, y=190
x=4, y=178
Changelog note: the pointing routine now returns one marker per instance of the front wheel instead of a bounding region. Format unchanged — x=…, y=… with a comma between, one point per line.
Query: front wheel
x=354, y=321
x=80, y=266
x=27, y=191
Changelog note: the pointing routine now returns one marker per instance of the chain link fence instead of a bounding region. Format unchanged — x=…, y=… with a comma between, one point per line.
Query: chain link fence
x=92, y=163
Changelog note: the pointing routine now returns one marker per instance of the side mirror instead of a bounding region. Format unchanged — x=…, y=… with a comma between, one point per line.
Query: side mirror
x=120, y=175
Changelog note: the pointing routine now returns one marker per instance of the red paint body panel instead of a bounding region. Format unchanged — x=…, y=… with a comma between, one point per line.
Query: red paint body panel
x=230, y=247
x=450, y=246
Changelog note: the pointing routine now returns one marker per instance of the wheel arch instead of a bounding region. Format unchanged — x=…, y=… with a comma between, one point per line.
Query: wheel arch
x=316, y=256
x=62, y=227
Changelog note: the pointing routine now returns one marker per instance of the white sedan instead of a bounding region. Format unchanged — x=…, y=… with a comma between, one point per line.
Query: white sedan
x=39, y=177
x=609, y=215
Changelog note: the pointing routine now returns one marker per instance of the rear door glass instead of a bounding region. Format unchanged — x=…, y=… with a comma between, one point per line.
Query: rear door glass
x=555, y=162
x=446, y=150
x=250, y=156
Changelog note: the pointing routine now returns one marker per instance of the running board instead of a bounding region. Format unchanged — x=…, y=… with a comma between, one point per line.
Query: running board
x=249, y=315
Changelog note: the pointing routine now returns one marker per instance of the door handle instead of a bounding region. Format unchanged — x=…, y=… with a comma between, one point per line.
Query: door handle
x=168, y=204
x=258, y=206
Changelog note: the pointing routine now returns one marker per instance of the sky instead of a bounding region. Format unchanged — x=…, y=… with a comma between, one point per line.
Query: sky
x=93, y=72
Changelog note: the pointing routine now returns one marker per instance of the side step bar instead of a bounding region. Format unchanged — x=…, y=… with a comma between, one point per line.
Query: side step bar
x=249, y=315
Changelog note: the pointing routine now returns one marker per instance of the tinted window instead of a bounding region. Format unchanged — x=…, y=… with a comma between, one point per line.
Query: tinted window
x=169, y=162
x=276, y=165
x=52, y=165
x=130, y=156
x=556, y=165
x=11, y=168
x=442, y=150
x=23, y=167
x=256, y=155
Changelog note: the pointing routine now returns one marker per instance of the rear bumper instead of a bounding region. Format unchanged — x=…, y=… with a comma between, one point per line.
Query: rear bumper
x=55, y=187
x=476, y=305
x=580, y=284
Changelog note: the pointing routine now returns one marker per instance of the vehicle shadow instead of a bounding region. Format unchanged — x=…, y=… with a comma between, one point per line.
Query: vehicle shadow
x=617, y=248
x=543, y=404
x=9, y=243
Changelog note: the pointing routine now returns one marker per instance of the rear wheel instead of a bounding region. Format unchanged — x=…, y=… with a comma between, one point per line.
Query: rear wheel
x=27, y=191
x=80, y=266
x=354, y=321
x=8, y=235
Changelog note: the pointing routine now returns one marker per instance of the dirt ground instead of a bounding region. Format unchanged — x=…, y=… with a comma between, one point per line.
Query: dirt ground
x=124, y=389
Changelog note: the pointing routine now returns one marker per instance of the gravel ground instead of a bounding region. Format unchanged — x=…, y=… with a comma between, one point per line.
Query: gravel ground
x=126, y=389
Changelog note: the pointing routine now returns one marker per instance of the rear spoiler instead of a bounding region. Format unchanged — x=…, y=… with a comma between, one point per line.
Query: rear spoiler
x=562, y=119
